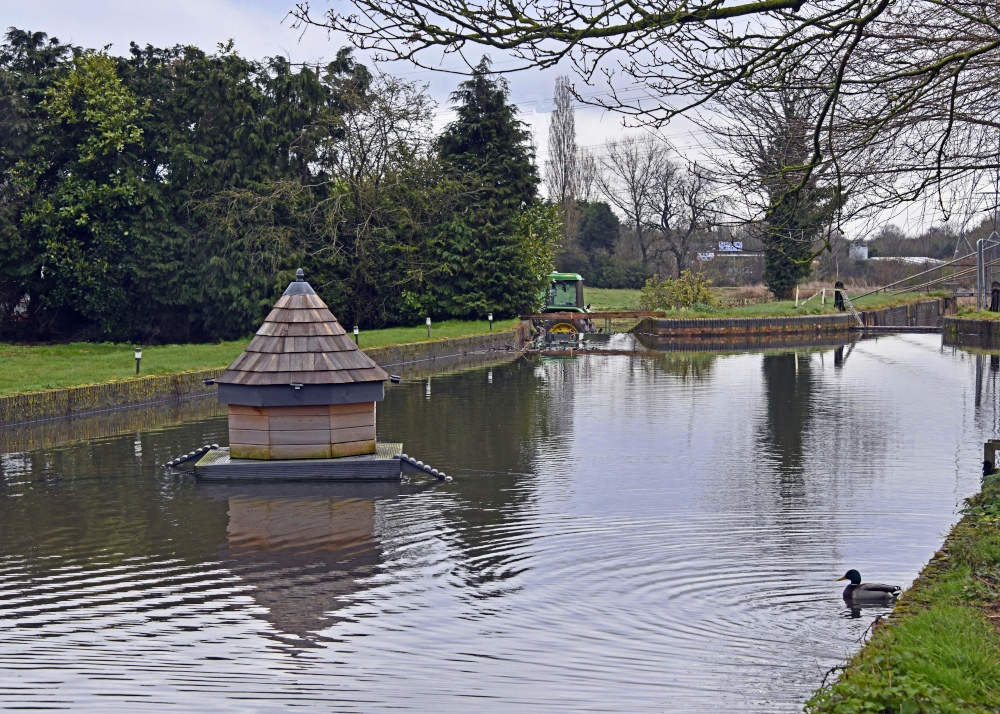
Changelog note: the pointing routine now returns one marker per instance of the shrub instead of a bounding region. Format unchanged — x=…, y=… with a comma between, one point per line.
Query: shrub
x=686, y=291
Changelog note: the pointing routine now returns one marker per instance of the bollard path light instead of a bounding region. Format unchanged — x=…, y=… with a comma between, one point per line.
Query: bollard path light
x=356, y=331
x=490, y=318
x=428, y=328
x=138, y=358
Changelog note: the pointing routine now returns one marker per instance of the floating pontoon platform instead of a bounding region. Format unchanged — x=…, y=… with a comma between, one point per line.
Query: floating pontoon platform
x=388, y=463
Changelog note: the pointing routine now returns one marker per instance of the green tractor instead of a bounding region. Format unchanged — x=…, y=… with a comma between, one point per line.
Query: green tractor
x=566, y=295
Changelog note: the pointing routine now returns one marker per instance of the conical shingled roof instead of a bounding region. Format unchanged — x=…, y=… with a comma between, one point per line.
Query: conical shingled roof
x=301, y=342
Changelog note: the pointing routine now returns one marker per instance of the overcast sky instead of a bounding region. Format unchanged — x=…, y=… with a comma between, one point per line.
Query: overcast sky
x=261, y=28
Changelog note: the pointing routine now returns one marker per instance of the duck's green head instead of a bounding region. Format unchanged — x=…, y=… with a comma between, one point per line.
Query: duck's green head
x=853, y=575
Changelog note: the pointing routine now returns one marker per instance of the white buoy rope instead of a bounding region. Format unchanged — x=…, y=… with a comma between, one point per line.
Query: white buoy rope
x=201, y=451
x=426, y=468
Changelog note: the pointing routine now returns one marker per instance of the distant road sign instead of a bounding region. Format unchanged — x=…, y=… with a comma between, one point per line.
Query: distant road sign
x=706, y=256
x=730, y=246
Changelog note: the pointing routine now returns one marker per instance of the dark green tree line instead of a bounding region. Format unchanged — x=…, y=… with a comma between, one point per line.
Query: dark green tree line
x=170, y=194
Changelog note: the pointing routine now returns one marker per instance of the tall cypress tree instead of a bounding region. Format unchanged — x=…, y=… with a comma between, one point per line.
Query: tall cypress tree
x=496, y=250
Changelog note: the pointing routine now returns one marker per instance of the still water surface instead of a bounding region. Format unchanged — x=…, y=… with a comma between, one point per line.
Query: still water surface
x=623, y=534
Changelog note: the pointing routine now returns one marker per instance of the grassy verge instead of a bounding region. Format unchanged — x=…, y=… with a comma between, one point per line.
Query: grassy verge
x=34, y=368
x=940, y=650
x=786, y=308
x=974, y=314
x=608, y=299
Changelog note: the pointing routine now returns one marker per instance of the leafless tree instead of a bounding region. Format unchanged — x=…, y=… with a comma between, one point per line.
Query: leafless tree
x=561, y=166
x=765, y=137
x=684, y=202
x=387, y=177
x=586, y=176
x=627, y=178
x=913, y=78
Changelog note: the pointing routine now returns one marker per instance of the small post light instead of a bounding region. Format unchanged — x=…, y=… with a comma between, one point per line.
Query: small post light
x=138, y=358
x=428, y=328
x=356, y=331
x=490, y=318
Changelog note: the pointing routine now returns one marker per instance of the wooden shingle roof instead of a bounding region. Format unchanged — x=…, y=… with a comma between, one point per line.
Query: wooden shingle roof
x=301, y=342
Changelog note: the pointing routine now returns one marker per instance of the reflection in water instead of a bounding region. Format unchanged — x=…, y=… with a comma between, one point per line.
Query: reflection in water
x=788, y=396
x=304, y=553
x=624, y=533
x=56, y=432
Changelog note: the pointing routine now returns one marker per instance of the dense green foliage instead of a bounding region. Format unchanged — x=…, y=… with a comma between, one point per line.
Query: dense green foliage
x=592, y=248
x=598, y=227
x=169, y=195
x=800, y=205
x=497, y=251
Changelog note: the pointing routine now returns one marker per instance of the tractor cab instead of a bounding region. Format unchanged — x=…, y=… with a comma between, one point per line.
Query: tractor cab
x=565, y=293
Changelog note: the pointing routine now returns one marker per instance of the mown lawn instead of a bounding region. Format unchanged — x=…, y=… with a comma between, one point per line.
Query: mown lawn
x=33, y=368
x=611, y=299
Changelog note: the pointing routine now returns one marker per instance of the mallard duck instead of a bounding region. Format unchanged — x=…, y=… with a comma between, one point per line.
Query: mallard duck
x=874, y=593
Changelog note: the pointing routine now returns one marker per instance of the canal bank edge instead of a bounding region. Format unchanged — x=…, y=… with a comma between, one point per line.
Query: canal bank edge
x=940, y=649
x=975, y=332
x=408, y=360
x=923, y=313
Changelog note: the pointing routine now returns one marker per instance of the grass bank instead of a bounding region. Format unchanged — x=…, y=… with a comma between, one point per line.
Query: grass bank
x=786, y=308
x=972, y=313
x=940, y=650
x=607, y=299
x=35, y=368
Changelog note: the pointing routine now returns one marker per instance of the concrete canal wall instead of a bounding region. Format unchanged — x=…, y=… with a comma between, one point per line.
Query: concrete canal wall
x=429, y=357
x=925, y=313
x=31, y=435
x=972, y=332
x=413, y=360
x=90, y=398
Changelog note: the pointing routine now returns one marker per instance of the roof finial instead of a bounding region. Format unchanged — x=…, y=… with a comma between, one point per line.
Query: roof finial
x=300, y=275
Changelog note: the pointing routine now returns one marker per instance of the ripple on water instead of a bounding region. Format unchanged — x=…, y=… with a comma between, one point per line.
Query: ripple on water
x=625, y=534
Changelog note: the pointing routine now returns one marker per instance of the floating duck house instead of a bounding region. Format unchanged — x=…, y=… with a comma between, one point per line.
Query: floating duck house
x=301, y=401
x=302, y=389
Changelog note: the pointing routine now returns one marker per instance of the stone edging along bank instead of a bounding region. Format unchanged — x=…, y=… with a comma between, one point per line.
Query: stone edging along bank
x=90, y=398
x=922, y=313
x=971, y=332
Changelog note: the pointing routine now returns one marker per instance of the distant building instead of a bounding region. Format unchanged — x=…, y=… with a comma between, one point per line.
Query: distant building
x=858, y=250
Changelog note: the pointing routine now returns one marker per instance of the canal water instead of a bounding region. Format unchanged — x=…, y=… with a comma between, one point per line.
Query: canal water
x=623, y=533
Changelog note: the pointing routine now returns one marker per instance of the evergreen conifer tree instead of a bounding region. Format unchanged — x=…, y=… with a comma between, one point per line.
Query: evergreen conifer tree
x=496, y=251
